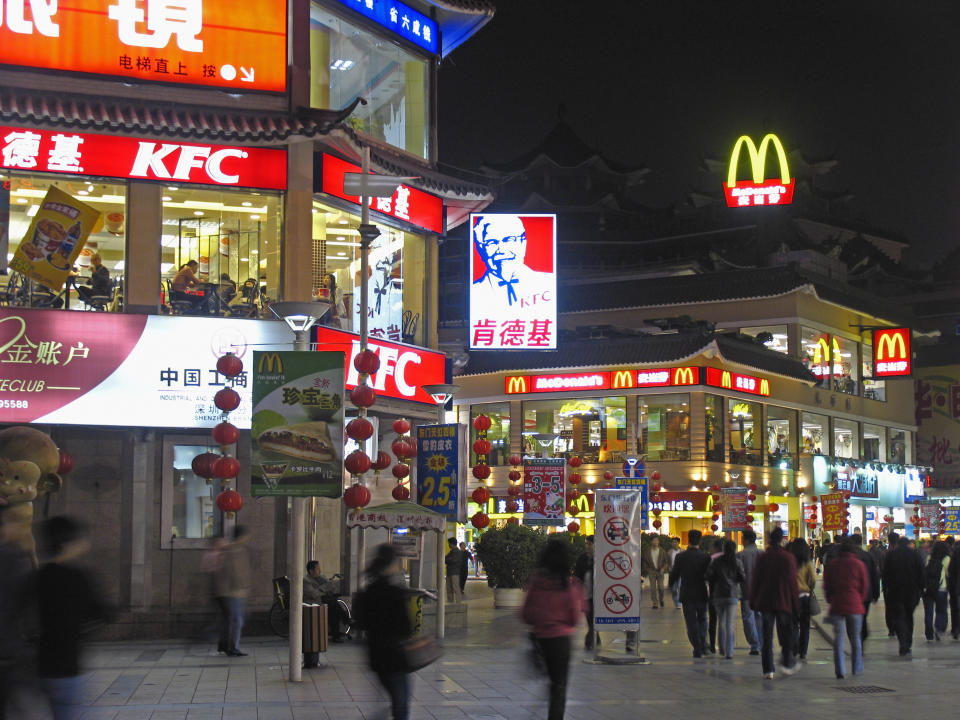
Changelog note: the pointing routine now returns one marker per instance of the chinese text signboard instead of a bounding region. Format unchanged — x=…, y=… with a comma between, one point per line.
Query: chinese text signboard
x=217, y=43
x=438, y=468
x=715, y=377
x=513, y=282
x=735, y=512
x=297, y=426
x=543, y=491
x=833, y=511
x=401, y=19
x=951, y=521
x=858, y=484
x=616, y=565
x=891, y=352
x=758, y=191
x=638, y=483
x=54, y=239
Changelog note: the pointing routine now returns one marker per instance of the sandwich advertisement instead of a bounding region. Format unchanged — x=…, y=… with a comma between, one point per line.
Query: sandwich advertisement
x=297, y=425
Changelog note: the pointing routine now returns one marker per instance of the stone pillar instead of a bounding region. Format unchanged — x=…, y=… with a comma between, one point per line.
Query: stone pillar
x=298, y=224
x=141, y=288
x=138, y=501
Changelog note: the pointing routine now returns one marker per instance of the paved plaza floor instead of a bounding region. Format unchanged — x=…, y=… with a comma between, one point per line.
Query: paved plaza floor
x=484, y=675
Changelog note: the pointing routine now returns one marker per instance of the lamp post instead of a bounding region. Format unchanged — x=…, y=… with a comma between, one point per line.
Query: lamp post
x=544, y=440
x=441, y=394
x=300, y=317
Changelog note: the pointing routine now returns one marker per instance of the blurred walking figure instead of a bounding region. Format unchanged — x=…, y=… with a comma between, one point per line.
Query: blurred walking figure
x=454, y=564
x=806, y=582
x=724, y=576
x=233, y=586
x=935, y=592
x=657, y=563
x=689, y=569
x=382, y=612
x=674, y=550
x=66, y=602
x=209, y=564
x=583, y=571
x=16, y=571
x=552, y=607
x=846, y=586
x=464, y=567
x=902, y=585
x=752, y=620
x=774, y=593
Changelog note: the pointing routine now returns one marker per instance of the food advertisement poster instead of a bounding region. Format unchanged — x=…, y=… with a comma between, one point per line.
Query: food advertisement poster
x=297, y=425
x=735, y=512
x=616, y=567
x=438, y=469
x=55, y=237
x=833, y=511
x=543, y=497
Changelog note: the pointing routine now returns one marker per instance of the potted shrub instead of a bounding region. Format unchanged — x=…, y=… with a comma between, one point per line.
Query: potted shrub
x=509, y=555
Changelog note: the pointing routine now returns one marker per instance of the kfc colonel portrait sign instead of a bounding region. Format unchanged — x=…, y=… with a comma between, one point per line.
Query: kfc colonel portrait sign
x=219, y=43
x=513, y=282
x=61, y=151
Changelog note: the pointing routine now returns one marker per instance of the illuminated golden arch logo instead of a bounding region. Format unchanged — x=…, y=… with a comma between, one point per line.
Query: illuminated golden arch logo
x=764, y=387
x=516, y=384
x=759, y=190
x=725, y=380
x=684, y=376
x=822, y=350
x=582, y=504
x=891, y=346
x=623, y=379
x=269, y=364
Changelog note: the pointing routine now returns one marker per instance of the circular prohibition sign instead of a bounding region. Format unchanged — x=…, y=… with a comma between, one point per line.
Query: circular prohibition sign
x=618, y=599
x=616, y=530
x=617, y=565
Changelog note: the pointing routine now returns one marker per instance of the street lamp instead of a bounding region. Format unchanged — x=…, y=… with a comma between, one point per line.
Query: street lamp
x=441, y=394
x=544, y=440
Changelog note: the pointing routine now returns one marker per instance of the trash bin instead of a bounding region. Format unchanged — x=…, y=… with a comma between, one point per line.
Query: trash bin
x=314, y=634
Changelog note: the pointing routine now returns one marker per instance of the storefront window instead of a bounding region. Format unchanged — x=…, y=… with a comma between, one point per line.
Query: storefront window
x=813, y=434
x=815, y=352
x=900, y=446
x=664, y=427
x=24, y=193
x=833, y=359
x=189, y=509
x=874, y=442
x=595, y=429
x=781, y=437
x=498, y=434
x=872, y=389
x=846, y=365
x=778, y=336
x=746, y=442
x=713, y=430
x=845, y=439
x=235, y=237
x=397, y=285
x=347, y=62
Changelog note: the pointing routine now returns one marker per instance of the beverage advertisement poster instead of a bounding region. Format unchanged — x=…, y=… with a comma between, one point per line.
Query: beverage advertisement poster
x=297, y=425
x=735, y=508
x=438, y=468
x=833, y=511
x=54, y=239
x=641, y=484
x=616, y=565
x=544, y=501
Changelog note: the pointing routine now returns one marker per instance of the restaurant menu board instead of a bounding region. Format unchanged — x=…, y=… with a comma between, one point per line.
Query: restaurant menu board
x=543, y=495
x=54, y=239
x=616, y=560
x=297, y=426
x=833, y=511
x=735, y=512
x=438, y=469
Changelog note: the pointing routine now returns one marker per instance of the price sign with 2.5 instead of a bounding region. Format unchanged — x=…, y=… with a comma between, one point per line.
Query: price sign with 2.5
x=435, y=491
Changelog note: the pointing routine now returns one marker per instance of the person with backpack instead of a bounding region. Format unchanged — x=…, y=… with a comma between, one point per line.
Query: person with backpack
x=724, y=577
x=935, y=592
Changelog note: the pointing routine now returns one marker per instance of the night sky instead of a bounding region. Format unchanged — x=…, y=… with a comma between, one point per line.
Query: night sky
x=872, y=84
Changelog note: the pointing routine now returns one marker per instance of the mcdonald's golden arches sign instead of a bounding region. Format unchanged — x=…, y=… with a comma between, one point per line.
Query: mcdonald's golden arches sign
x=758, y=190
x=891, y=352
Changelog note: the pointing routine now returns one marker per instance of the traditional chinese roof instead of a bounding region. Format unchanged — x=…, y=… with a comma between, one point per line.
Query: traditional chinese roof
x=459, y=20
x=82, y=112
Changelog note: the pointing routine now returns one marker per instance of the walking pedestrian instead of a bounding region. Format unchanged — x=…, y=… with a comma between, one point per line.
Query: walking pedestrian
x=552, y=607
x=711, y=545
x=953, y=590
x=656, y=563
x=902, y=584
x=806, y=583
x=583, y=571
x=454, y=564
x=846, y=587
x=689, y=569
x=674, y=546
x=935, y=592
x=774, y=592
x=752, y=620
x=724, y=577
x=892, y=541
x=16, y=569
x=873, y=573
x=464, y=567
x=233, y=586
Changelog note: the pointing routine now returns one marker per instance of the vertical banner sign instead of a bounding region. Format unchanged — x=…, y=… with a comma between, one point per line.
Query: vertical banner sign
x=438, y=468
x=638, y=483
x=616, y=568
x=929, y=516
x=951, y=521
x=544, y=500
x=734, y=508
x=54, y=239
x=832, y=511
x=4, y=224
x=297, y=425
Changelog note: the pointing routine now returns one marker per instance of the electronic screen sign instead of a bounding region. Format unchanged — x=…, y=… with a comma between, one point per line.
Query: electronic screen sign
x=217, y=43
x=758, y=191
x=891, y=352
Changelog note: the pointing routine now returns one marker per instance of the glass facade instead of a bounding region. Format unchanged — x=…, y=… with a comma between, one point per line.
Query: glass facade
x=664, y=427
x=713, y=430
x=846, y=438
x=874, y=442
x=833, y=359
x=846, y=365
x=872, y=389
x=498, y=434
x=900, y=446
x=746, y=443
x=595, y=429
x=777, y=340
x=814, y=438
x=781, y=437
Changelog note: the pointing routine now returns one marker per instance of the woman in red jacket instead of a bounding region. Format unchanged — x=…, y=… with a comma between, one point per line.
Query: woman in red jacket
x=552, y=607
x=846, y=586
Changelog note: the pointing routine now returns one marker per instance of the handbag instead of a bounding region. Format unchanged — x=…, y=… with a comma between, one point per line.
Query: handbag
x=814, y=605
x=419, y=652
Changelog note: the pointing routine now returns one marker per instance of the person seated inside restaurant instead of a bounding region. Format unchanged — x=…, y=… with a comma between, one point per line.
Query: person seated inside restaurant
x=99, y=283
x=227, y=289
x=185, y=279
x=317, y=590
x=329, y=293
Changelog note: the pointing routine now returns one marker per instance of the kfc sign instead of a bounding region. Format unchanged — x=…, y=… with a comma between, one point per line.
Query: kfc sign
x=513, y=282
x=407, y=203
x=404, y=369
x=891, y=352
x=217, y=43
x=758, y=190
x=735, y=381
x=60, y=151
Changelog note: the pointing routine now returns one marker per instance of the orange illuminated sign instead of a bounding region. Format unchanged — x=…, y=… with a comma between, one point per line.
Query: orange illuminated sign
x=735, y=381
x=217, y=43
x=891, y=352
x=758, y=190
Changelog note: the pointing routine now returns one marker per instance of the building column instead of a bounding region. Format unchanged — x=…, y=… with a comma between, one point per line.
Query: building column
x=138, y=501
x=141, y=261
x=298, y=224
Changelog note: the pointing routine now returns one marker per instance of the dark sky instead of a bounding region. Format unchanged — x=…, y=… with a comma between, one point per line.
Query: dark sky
x=872, y=84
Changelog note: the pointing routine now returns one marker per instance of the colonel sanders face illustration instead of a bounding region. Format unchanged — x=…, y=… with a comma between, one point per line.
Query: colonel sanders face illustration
x=501, y=242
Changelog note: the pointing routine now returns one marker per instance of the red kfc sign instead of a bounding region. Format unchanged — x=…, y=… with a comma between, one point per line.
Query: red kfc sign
x=60, y=151
x=404, y=369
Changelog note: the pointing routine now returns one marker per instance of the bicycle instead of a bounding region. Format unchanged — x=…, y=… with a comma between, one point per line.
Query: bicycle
x=280, y=611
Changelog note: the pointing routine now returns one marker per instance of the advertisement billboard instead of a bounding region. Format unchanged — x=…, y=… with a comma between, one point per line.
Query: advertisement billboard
x=616, y=575
x=758, y=190
x=543, y=491
x=513, y=282
x=216, y=43
x=833, y=511
x=735, y=508
x=438, y=469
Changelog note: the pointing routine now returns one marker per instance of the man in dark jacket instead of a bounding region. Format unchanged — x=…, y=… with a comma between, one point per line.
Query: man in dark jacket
x=689, y=569
x=873, y=573
x=752, y=620
x=775, y=594
x=903, y=584
x=953, y=588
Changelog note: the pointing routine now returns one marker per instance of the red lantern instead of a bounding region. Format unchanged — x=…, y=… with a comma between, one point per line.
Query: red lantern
x=813, y=499
x=749, y=518
x=574, y=478
x=752, y=487
x=715, y=488
x=656, y=487
x=514, y=475
x=357, y=463
x=400, y=492
x=65, y=464
x=481, y=423
x=657, y=524
x=382, y=462
x=401, y=426
x=401, y=448
x=356, y=496
x=225, y=433
x=574, y=461
x=363, y=396
x=751, y=507
x=401, y=470
x=774, y=507
x=482, y=446
x=227, y=399
x=514, y=490
x=202, y=464
x=572, y=509
x=573, y=526
x=847, y=494
x=714, y=527
x=512, y=505
x=229, y=501
x=608, y=475
x=226, y=467
x=411, y=448
x=655, y=475
x=480, y=520
x=366, y=362
x=481, y=472
x=359, y=429
x=516, y=460
x=229, y=365
x=480, y=495
x=573, y=494
x=657, y=511
x=715, y=516
x=513, y=521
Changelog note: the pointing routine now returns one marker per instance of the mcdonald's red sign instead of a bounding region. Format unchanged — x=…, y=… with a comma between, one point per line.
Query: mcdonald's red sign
x=891, y=352
x=758, y=190
x=735, y=381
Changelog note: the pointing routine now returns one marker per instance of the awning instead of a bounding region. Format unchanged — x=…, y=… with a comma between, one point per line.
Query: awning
x=398, y=514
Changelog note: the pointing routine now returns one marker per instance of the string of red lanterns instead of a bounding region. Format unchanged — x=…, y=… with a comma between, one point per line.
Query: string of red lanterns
x=481, y=471
x=404, y=448
x=360, y=429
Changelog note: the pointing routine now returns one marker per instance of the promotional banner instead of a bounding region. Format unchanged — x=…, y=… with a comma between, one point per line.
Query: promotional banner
x=638, y=483
x=55, y=237
x=616, y=566
x=297, y=427
x=513, y=282
x=735, y=512
x=543, y=491
x=929, y=516
x=832, y=511
x=951, y=521
x=438, y=468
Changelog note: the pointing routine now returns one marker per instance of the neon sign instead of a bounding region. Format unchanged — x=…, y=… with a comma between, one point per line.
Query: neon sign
x=759, y=190
x=615, y=379
x=735, y=381
x=891, y=352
